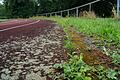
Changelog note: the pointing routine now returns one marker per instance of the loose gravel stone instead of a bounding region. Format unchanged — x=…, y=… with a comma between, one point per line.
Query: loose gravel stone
x=24, y=73
x=36, y=69
x=34, y=76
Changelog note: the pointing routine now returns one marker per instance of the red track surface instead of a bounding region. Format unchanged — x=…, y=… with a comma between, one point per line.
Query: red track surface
x=13, y=23
x=30, y=48
x=20, y=28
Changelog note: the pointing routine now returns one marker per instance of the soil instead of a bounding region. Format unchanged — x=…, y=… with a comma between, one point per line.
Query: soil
x=93, y=54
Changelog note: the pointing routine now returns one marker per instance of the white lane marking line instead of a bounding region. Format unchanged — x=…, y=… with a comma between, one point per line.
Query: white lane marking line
x=19, y=26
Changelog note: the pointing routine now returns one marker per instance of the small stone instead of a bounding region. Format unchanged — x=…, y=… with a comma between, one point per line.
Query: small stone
x=27, y=68
x=5, y=77
x=11, y=63
x=36, y=69
x=24, y=73
x=51, y=63
x=32, y=60
x=36, y=54
x=20, y=67
x=19, y=71
x=51, y=53
x=6, y=71
x=12, y=67
x=36, y=63
x=48, y=57
x=17, y=53
x=45, y=59
x=20, y=62
x=7, y=61
x=33, y=67
x=22, y=55
x=56, y=60
x=26, y=58
x=34, y=76
x=14, y=77
x=36, y=57
x=27, y=64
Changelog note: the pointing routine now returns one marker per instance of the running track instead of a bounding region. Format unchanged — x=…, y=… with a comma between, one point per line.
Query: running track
x=30, y=48
x=20, y=28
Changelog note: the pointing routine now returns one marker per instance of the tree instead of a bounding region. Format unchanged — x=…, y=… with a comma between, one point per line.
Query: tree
x=20, y=8
x=27, y=8
x=102, y=8
x=2, y=11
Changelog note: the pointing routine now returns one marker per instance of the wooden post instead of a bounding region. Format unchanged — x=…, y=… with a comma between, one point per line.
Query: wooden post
x=50, y=14
x=90, y=7
x=55, y=14
x=68, y=13
x=118, y=7
x=46, y=15
x=61, y=13
x=77, y=13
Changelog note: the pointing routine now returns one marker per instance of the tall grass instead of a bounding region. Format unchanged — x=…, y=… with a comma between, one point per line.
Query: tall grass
x=102, y=28
x=106, y=28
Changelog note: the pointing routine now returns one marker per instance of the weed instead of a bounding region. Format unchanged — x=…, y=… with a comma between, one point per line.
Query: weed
x=77, y=69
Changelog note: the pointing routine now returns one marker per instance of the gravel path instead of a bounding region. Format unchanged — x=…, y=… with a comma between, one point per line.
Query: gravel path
x=24, y=57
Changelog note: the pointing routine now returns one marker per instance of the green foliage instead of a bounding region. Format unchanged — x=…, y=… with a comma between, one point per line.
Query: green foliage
x=106, y=29
x=77, y=69
x=20, y=8
x=115, y=54
x=69, y=45
x=28, y=8
x=102, y=9
x=2, y=11
x=116, y=58
x=112, y=74
x=103, y=28
x=52, y=5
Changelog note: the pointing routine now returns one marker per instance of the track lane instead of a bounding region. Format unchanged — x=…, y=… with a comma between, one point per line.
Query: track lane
x=30, y=49
x=19, y=26
x=14, y=23
x=27, y=30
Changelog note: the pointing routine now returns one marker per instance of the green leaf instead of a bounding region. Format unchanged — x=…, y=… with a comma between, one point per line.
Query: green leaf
x=112, y=74
x=87, y=78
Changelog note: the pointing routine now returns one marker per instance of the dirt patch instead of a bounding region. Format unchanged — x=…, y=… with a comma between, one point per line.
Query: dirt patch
x=92, y=55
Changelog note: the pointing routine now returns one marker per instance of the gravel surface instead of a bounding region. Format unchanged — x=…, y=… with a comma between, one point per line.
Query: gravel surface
x=32, y=58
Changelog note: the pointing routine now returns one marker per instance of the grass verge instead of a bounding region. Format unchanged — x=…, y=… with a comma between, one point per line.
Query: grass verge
x=106, y=30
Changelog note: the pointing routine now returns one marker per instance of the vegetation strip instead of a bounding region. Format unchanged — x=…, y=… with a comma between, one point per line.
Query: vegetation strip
x=105, y=33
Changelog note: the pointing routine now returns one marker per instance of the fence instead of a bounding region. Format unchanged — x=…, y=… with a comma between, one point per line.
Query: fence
x=68, y=10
